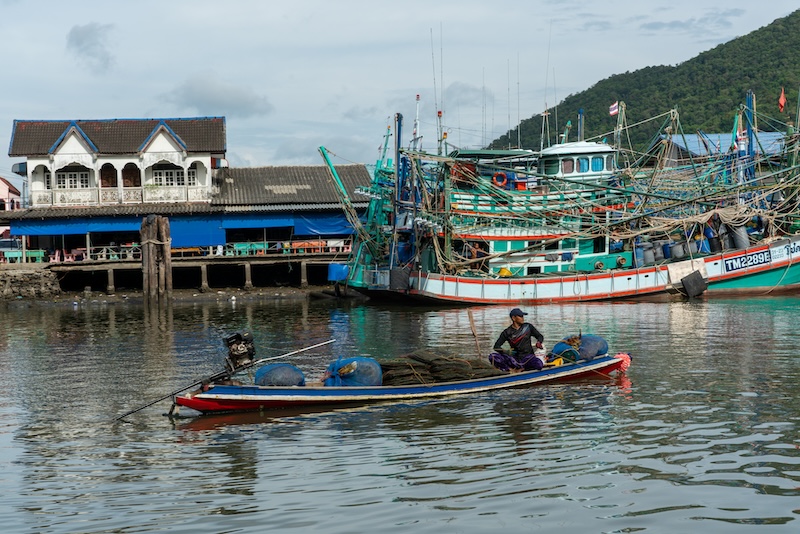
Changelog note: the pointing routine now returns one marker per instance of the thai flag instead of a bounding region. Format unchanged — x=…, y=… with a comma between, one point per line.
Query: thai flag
x=614, y=108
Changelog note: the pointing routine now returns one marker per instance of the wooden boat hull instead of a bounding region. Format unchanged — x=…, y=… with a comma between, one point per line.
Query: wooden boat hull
x=760, y=269
x=225, y=398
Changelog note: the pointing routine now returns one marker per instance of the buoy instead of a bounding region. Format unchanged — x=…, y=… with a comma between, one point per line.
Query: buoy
x=500, y=179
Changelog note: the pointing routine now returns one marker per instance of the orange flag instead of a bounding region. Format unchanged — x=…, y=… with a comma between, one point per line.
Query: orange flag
x=782, y=101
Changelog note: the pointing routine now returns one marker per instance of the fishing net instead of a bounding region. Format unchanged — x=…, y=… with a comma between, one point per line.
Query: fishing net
x=583, y=347
x=353, y=372
x=279, y=374
x=428, y=367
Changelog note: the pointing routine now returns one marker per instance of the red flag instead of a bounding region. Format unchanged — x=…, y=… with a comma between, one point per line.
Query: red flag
x=782, y=101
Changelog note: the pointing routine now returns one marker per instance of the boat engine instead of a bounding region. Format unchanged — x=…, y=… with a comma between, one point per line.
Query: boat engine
x=240, y=350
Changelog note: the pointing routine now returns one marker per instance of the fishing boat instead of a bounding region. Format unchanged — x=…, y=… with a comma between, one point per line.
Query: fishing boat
x=578, y=221
x=220, y=398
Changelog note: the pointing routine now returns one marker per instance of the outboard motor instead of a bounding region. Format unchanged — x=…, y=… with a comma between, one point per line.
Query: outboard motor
x=240, y=350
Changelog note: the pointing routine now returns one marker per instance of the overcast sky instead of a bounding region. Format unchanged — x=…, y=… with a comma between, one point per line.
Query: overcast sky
x=291, y=76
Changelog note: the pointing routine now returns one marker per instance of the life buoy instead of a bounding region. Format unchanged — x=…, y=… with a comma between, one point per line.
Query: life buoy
x=500, y=179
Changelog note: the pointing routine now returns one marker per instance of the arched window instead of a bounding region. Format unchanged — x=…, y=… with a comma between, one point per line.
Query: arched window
x=131, y=176
x=108, y=176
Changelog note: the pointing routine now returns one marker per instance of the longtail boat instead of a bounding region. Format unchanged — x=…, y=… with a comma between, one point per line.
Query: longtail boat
x=223, y=398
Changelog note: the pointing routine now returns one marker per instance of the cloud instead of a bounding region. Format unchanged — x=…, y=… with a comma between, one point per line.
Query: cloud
x=89, y=43
x=711, y=23
x=209, y=96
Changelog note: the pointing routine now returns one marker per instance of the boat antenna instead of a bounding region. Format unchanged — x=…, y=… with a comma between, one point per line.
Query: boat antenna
x=519, y=119
x=555, y=98
x=483, y=106
x=439, y=112
x=433, y=65
x=546, y=113
x=508, y=96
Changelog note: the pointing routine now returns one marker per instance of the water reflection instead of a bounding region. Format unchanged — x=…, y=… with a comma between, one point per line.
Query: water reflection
x=701, y=432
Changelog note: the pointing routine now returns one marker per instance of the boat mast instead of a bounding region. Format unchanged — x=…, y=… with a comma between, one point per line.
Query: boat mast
x=415, y=137
x=398, y=126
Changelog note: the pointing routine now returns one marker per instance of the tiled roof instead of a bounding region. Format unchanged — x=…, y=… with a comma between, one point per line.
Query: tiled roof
x=286, y=185
x=117, y=136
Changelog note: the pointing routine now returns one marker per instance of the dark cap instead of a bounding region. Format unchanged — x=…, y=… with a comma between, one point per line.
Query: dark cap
x=517, y=312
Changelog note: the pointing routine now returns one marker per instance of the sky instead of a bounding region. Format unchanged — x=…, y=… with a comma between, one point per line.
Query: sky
x=292, y=76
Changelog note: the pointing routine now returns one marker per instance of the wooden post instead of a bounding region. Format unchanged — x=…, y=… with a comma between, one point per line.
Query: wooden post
x=204, y=279
x=145, y=245
x=156, y=261
x=165, y=237
x=110, y=284
x=248, y=279
x=303, y=275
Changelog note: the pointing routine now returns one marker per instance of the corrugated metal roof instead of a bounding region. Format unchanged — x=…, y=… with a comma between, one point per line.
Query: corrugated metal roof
x=122, y=210
x=117, y=136
x=768, y=143
x=258, y=208
x=269, y=186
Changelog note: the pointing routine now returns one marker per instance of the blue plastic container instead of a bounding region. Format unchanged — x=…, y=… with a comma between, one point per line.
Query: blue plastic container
x=338, y=272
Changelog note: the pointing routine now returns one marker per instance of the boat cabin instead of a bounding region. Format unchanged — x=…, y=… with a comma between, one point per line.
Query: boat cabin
x=581, y=160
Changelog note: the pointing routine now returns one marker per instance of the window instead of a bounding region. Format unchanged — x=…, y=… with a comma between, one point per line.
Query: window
x=583, y=164
x=609, y=163
x=48, y=181
x=567, y=166
x=72, y=180
x=597, y=163
x=192, y=177
x=550, y=167
x=169, y=177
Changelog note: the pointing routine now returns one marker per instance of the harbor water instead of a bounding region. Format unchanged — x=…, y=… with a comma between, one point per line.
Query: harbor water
x=701, y=433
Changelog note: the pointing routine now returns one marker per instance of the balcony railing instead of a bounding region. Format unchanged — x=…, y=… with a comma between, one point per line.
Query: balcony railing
x=104, y=196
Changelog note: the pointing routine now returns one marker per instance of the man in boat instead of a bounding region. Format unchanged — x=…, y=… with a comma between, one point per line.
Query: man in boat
x=519, y=336
x=478, y=254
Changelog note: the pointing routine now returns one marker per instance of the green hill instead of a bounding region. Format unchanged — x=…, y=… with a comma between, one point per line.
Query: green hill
x=706, y=90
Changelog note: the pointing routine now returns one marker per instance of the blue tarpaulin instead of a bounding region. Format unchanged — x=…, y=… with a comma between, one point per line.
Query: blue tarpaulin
x=191, y=231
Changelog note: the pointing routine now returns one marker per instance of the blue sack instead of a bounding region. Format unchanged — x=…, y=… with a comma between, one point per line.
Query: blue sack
x=279, y=374
x=354, y=372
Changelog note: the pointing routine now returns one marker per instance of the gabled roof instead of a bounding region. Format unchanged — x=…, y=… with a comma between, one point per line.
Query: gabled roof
x=117, y=136
x=11, y=189
x=274, y=186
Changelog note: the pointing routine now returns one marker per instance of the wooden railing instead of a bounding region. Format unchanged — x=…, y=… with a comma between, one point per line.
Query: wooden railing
x=133, y=251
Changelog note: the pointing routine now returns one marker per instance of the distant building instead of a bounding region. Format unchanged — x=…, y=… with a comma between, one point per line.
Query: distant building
x=696, y=146
x=90, y=183
x=9, y=200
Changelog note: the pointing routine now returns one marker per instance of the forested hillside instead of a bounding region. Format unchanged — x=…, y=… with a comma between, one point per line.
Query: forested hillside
x=707, y=90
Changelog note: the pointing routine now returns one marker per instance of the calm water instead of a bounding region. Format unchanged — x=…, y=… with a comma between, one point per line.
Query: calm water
x=701, y=434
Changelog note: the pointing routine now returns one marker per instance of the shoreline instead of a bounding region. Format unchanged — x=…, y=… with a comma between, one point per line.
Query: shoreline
x=72, y=298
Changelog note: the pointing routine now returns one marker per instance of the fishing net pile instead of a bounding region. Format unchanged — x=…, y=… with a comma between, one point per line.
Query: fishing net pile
x=428, y=367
